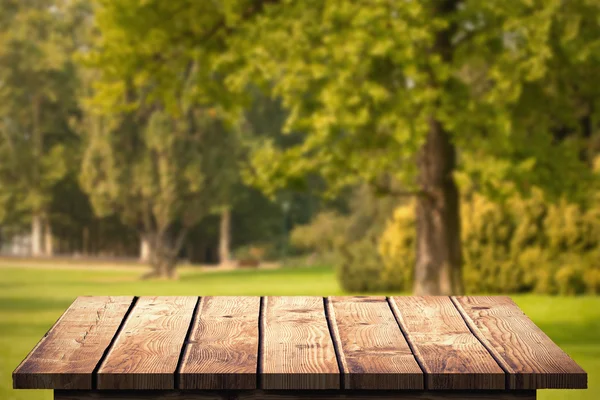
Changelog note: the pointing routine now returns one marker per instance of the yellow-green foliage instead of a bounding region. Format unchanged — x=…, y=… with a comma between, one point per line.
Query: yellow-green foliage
x=521, y=244
x=396, y=239
x=360, y=267
x=323, y=235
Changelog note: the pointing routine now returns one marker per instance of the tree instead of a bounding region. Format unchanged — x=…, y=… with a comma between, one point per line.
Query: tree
x=38, y=84
x=410, y=91
x=397, y=94
x=159, y=173
x=179, y=77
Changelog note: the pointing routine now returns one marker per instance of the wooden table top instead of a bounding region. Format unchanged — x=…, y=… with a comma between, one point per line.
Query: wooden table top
x=215, y=343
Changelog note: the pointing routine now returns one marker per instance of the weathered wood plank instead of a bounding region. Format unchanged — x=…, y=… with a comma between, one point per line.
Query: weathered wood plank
x=452, y=357
x=67, y=355
x=223, y=348
x=529, y=356
x=373, y=352
x=295, y=395
x=297, y=349
x=146, y=352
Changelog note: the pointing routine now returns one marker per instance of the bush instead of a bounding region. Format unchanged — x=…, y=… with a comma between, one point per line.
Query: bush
x=350, y=242
x=323, y=235
x=252, y=253
x=521, y=244
x=360, y=267
x=398, y=264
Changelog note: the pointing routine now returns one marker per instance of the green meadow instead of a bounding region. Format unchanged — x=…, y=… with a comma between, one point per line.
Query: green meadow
x=33, y=297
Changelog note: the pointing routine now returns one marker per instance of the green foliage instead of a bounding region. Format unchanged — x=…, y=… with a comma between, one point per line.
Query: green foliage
x=158, y=172
x=522, y=244
x=350, y=241
x=362, y=93
x=360, y=267
x=398, y=263
x=360, y=80
x=167, y=49
x=323, y=235
x=38, y=88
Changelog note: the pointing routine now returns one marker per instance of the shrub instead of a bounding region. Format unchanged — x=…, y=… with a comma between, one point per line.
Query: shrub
x=396, y=247
x=351, y=242
x=521, y=244
x=322, y=235
x=360, y=268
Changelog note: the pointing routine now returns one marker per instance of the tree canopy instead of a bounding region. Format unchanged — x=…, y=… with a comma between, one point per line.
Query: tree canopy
x=38, y=101
x=415, y=98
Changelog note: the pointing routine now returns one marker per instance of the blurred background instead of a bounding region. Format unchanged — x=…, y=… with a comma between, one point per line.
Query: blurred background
x=277, y=147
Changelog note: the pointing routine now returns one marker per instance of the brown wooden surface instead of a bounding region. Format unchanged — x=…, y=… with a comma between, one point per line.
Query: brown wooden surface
x=295, y=395
x=297, y=349
x=371, y=348
x=222, y=351
x=66, y=357
x=452, y=357
x=530, y=357
x=291, y=343
x=146, y=351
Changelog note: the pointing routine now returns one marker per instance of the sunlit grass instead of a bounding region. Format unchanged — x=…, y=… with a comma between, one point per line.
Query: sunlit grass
x=31, y=299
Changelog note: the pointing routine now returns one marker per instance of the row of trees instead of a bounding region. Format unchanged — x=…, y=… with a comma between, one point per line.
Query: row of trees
x=400, y=95
x=92, y=173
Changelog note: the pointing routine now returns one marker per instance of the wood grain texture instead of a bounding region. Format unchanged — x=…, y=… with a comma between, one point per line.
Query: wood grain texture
x=529, y=356
x=67, y=355
x=223, y=348
x=451, y=356
x=371, y=348
x=294, y=395
x=146, y=352
x=297, y=349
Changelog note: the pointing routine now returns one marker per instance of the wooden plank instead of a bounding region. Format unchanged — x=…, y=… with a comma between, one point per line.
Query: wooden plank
x=451, y=356
x=146, y=352
x=529, y=356
x=68, y=354
x=373, y=352
x=295, y=395
x=223, y=348
x=297, y=349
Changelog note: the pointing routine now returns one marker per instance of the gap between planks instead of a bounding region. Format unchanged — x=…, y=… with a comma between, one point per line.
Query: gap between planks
x=186, y=341
x=112, y=342
x=408, y=340
x=261, y=335
x=334, y=333
x=450, y=355
x=476, y=333
x=332, y=329
x=329, y=314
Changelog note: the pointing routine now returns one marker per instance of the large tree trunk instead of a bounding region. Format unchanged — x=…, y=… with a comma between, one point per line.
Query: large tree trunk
x=225, y=237
x=438, y=269
x=36, y=235
x=164, y=252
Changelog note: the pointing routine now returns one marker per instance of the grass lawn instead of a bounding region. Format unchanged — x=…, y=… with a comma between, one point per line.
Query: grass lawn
x=32, y=298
